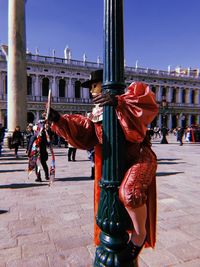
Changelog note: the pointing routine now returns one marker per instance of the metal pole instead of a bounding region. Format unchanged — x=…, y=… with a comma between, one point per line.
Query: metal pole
x=112, y=217
x=164, y=125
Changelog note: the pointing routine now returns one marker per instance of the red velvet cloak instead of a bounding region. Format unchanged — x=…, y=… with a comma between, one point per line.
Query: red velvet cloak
x=135, y=110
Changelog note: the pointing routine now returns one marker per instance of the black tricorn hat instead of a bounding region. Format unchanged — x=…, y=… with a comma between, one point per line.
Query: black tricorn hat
x=95, y=76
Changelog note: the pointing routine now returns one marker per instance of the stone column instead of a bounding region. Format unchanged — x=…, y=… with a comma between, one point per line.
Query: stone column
x=81, y=93
x=160, y=120
x=37, y=86
x=69, y=88
x=159, y=94
x=180, y=95
x=188, y=92
x=169, y=94
x=32, y=85
x=54, y=87
x=17, y=92
x=1, y=84
x=188, y=120
x=1, y=117
x=37, y=115
x=85, y=93
x=170, y=121
x=179, y=120
x=72, y=88
x=66, y=87
x=198, y=117
x=196, y=96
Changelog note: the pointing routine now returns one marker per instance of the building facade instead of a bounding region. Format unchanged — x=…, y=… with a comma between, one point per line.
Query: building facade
x=177, y=92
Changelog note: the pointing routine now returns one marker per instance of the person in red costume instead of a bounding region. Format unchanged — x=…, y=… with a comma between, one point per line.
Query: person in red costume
x=135, y=109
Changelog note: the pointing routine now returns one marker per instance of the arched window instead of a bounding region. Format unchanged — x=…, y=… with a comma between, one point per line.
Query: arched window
x=62, y=84
x=193, y=97
x=45, y=86
x=5, y=87
x=153, y=89
x=174, y=96
x=163, y=91
x=193, y=119
x=29, y=85
x=30, y=117
x=174, y=121
x=183, y=100
x=77, y=89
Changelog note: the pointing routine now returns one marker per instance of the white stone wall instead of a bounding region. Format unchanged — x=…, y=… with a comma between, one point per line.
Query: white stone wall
x=54, y=72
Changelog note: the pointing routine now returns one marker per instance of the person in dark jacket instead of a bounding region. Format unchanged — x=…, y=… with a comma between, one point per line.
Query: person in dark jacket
x=17, y=139
x=2, y=133
x=180, y=134
x=29, y=134
x=71, y=153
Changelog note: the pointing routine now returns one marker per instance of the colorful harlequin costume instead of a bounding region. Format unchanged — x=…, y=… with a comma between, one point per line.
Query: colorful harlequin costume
x=37, y=151
x=135, y=110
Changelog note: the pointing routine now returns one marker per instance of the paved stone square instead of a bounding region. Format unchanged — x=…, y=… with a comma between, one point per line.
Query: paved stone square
x=53, y=226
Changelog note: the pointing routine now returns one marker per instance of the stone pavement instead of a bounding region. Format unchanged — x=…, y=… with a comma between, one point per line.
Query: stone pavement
x=44, y=226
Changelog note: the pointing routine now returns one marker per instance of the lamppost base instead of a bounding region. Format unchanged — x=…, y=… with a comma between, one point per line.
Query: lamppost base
x=108, y=258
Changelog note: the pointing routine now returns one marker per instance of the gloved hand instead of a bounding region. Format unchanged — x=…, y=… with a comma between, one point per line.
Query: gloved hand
x=54, y=116
x=105, y=98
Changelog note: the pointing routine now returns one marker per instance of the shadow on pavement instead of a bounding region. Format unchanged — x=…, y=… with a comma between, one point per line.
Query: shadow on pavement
x=13, y=158
x=74, y=179
x=168, y=159
x=79, y=160
x=60, y=155
x=11, y=163
x=167, y=173
x=169, y=163
x=16, y=170
x=3, y=211
x=20, y=186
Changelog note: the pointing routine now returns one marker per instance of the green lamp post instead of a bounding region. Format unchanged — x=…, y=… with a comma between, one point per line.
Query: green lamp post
x=112, y=217
x=164, y=130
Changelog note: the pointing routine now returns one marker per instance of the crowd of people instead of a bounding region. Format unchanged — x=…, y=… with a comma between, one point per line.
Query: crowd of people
x=21, y=139
x=137, y=191
x=183, y=134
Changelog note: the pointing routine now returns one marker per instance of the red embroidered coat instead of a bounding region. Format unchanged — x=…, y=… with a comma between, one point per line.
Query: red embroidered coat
x=135, y=110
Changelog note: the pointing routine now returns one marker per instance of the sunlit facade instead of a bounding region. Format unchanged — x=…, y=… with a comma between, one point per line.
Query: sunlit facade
x=181, y=91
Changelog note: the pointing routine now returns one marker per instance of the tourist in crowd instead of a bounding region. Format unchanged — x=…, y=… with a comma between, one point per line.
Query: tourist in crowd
x=187, y=134
x=29, y=133
x=180, y=134
x=157, y=132
x=17, y=140
x=91, y=158
x=135, y=110
x=71, y=153
x=2, y=134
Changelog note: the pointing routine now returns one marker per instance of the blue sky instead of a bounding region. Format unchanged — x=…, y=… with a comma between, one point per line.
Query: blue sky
x=157, y=33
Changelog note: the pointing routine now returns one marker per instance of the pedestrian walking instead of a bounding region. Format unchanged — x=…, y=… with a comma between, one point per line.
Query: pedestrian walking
x=17, y=140
x=180, y=134
x=2, y=134
x=29, y=133
x=71, y=153
x=91, y=158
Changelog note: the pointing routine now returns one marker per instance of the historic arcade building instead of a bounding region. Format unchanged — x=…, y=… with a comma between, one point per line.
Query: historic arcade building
x=177, y=92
